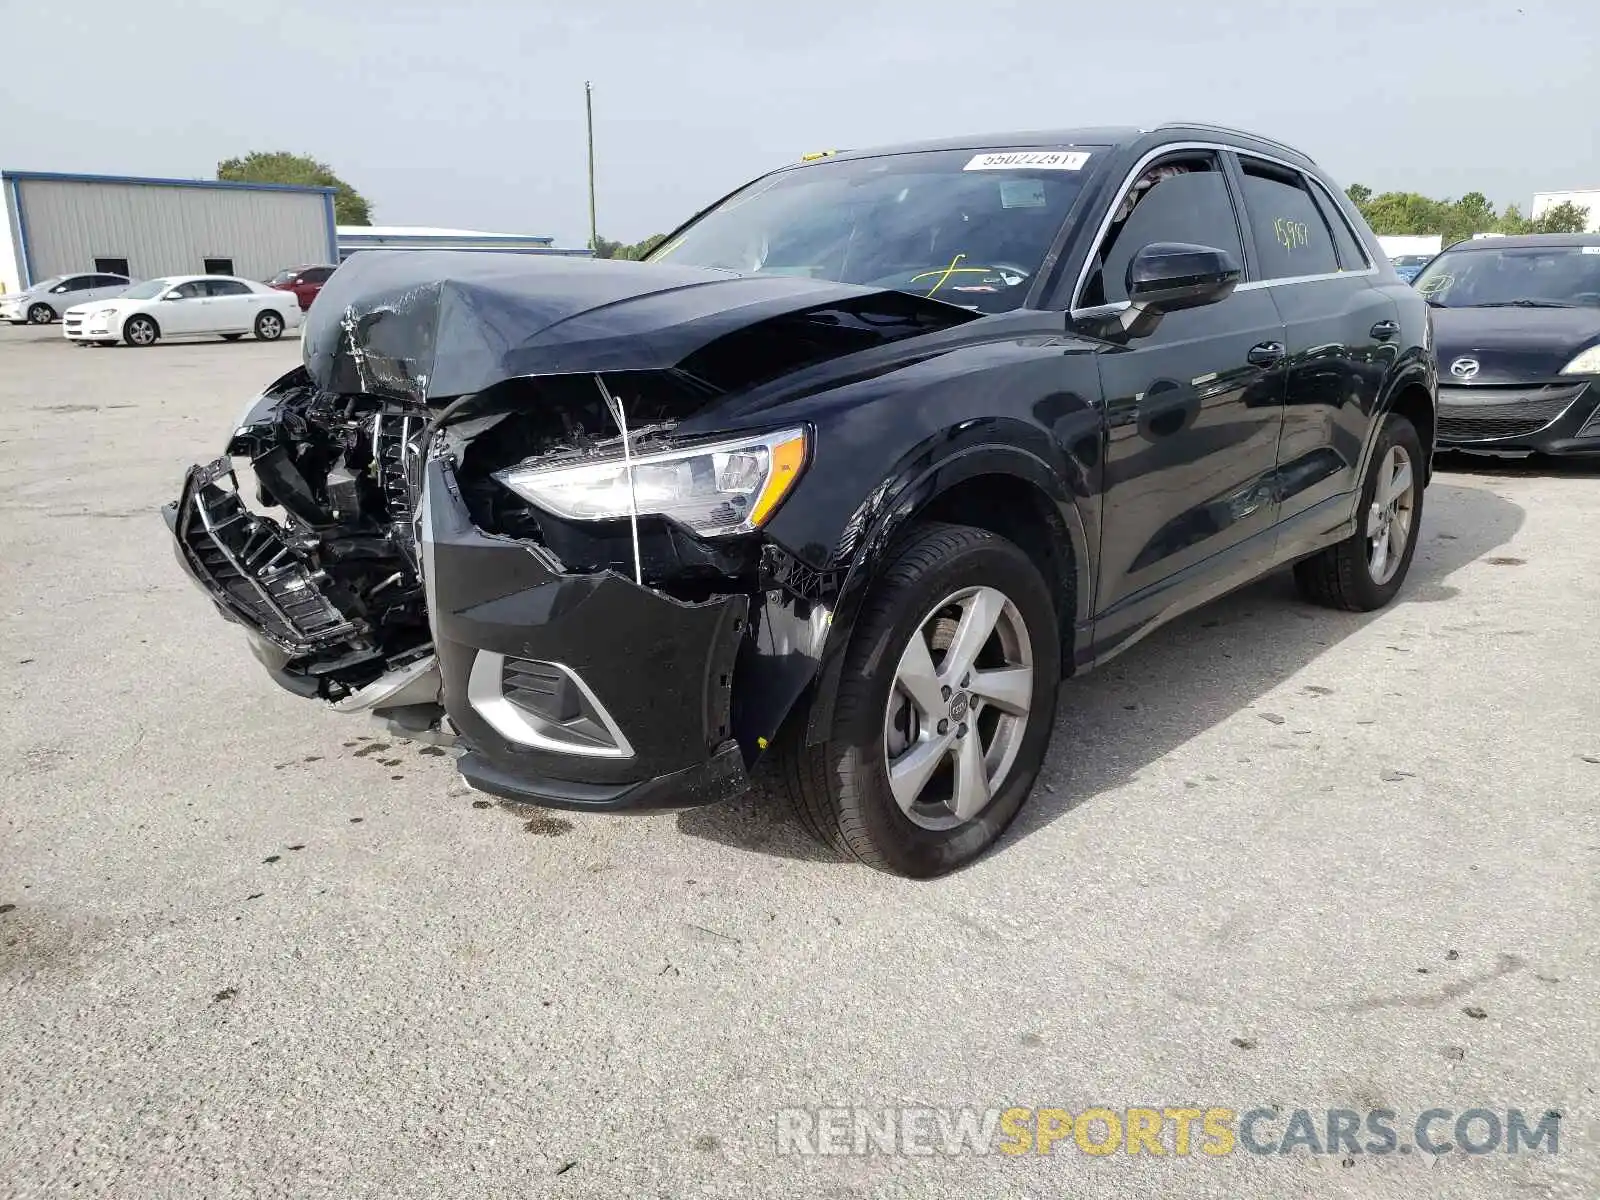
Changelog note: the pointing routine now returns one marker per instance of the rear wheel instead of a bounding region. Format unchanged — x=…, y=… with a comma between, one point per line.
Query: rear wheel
x=141, y=330
x=1363, y=572
x=41, y=314
x=269, y=326
x=944, y=709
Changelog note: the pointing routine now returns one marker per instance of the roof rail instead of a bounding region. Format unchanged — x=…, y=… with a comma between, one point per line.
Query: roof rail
x=1243, y=133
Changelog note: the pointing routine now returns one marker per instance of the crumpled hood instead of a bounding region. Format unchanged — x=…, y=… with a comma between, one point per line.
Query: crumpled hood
x=428, y=325
x=1512, y=345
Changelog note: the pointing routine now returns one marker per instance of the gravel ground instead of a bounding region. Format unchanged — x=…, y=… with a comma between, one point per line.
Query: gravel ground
x=1280, y=857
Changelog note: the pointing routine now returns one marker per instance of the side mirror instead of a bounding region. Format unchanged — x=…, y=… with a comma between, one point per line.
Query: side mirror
x=1171, y=276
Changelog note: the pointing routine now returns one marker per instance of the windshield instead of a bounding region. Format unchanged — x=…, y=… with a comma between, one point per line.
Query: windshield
x=148, y=290
x=285, y=276
x=971, y=228
x=1530, y=276
x=47, y=283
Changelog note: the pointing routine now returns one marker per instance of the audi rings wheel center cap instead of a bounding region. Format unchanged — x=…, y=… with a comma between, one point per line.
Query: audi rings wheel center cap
x=959, y=704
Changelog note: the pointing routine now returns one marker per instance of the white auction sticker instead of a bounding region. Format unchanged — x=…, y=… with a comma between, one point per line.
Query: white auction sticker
x=1033, y=160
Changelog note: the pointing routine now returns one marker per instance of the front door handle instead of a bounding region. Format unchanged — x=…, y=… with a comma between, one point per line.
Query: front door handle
x=1266, y=354
x=1384, y=330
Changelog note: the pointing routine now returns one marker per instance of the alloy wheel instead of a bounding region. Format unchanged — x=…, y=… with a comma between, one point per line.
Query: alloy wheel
x=959, y=708
x=141, y=332
x=1389, y=519
x=269, y=327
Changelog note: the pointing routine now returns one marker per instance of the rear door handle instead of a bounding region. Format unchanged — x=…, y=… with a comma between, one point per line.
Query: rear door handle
x=1384, y=330
x=1265, y=354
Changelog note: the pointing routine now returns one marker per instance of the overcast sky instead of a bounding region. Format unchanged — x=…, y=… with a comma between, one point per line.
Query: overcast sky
x=470, y=113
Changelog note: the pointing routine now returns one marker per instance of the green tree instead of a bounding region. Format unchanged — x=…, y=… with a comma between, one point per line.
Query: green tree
x=1512, y=221
x=1359, y=194
x=1565, y=217
x=606, y=248
x=279, y=166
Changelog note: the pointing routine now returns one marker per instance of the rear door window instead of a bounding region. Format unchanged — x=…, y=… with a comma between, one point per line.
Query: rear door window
x=1181, y=199
x=1290, y=235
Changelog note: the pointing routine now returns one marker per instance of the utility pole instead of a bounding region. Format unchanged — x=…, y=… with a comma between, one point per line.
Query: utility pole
x=588, y=111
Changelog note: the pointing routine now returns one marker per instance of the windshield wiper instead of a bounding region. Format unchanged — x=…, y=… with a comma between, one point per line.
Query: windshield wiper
x=1526, y=304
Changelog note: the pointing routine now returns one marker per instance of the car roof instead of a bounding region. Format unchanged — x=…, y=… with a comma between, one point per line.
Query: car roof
x=1115, y=136
x=1529, y=241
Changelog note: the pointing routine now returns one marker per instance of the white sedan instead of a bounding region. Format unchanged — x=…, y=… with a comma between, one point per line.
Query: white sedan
x=184, y=306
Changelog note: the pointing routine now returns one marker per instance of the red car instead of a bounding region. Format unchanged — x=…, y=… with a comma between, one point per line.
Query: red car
x=304, y=282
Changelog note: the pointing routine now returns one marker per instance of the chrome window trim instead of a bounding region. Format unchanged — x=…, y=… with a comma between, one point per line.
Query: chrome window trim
x=1132, y=177
x=1290, y=280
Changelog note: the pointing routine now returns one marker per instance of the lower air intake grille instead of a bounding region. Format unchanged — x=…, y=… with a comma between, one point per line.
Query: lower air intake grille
x=1481, y=414
x=544, y=705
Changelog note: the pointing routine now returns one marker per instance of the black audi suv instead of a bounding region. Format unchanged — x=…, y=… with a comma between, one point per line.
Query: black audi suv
x=852, y=472
x=1517, y=328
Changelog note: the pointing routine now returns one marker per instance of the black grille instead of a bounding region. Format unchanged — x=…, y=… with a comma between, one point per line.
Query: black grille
x=1483, y=413
x=244, y=561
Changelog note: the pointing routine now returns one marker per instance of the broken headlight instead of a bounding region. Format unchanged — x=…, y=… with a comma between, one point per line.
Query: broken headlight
x=717, y=488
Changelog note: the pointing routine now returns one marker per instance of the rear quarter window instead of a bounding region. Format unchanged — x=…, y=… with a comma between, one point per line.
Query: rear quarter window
x=1352, y=257
x=1290, y=235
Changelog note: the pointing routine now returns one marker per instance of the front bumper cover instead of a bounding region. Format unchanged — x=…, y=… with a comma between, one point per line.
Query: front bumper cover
x=659, y=668
x=1560, y=418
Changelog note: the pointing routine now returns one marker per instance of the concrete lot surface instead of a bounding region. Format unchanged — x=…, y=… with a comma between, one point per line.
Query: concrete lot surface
x=1280, y=857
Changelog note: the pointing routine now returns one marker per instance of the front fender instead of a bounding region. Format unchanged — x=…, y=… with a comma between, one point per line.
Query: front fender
x=896, y=504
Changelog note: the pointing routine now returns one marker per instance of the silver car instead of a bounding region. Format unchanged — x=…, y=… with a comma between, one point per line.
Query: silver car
x=46, y=300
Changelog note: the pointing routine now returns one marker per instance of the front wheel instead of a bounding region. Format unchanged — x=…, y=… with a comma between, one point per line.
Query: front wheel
x=1363, y=572
x=41, y=314
x=269, y=326
x=141, y=331
x=944, y=708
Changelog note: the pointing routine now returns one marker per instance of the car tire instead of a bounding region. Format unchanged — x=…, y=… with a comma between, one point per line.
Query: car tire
x=935, y=578
x=1353, y=575
x=40, y=314
x=140, y=330
x=269, y=326
x=232, y=337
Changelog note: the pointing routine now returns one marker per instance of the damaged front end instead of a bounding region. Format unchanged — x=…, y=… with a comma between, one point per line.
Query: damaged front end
x=495, y=509
x=328, y=586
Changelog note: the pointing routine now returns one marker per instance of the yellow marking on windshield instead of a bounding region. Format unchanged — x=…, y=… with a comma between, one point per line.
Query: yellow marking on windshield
x=945, y=274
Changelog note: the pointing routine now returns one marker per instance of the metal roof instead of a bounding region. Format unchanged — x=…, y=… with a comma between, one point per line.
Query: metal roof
x=150, y=181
